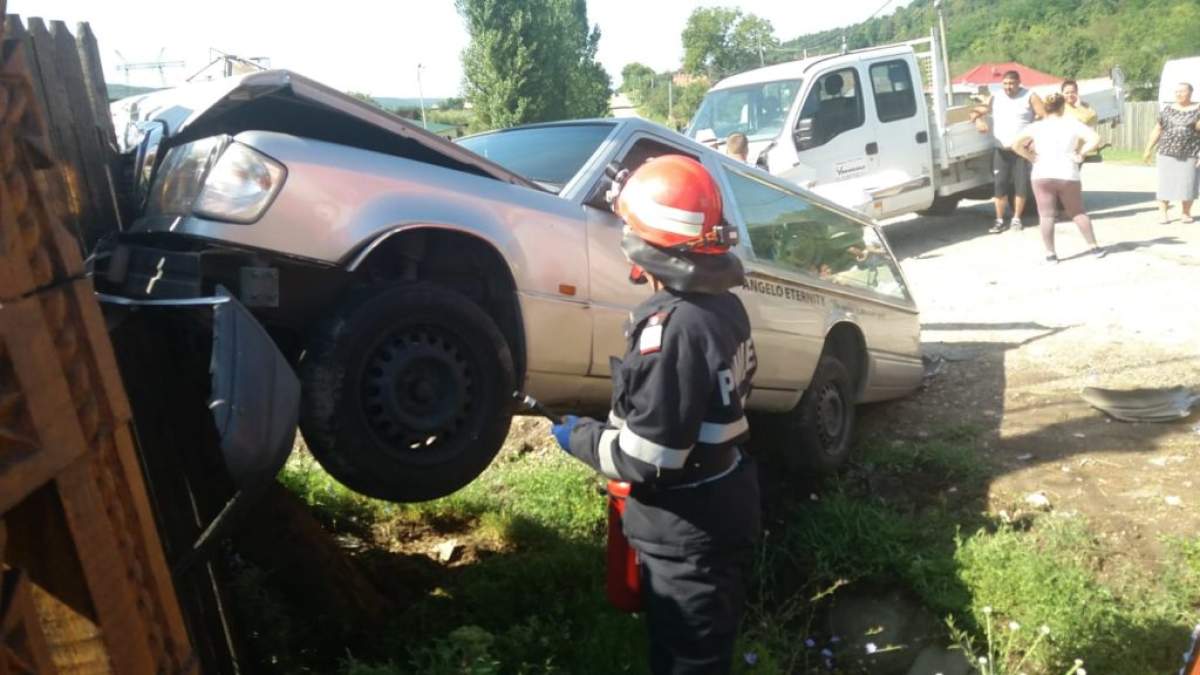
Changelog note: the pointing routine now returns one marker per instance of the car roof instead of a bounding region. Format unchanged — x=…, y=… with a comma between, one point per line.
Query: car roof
x=795, y=69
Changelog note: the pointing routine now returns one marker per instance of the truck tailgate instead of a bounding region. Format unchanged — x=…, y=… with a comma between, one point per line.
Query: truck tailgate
x=962, y=139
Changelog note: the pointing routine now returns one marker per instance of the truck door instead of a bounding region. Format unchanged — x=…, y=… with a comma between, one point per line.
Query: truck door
x=837, y=151
x=903, y=179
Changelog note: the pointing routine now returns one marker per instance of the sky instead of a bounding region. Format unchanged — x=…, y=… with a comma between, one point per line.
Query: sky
x=376, y=47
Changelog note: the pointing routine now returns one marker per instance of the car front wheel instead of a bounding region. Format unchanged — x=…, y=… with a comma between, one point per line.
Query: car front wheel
x=406, y=392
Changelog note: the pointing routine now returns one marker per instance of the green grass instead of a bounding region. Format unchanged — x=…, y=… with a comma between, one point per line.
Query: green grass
x=909, y=516
x=1115, y=156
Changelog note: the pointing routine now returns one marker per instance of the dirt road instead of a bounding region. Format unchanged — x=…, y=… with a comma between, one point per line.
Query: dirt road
x=1020, y=337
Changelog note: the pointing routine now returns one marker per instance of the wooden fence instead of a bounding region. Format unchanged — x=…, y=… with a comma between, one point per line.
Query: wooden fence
x=68, y=81
x=1138, y=120
x=84, y=582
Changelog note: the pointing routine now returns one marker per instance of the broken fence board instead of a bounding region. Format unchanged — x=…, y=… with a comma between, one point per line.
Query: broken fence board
x=95, y=159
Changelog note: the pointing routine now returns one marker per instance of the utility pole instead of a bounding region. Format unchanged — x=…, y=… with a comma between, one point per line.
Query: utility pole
x=421, y=94
x=937, y=4
x=670, y=100
x=761, y=61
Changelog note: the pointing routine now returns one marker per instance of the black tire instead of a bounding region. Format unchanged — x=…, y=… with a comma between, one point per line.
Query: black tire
x=429, y=437
x=820, y=426
x=941, y=206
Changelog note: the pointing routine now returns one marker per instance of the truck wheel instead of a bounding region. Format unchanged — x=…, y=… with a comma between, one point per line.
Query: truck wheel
x=941, y=206
x=823, y=420
x=406, y=392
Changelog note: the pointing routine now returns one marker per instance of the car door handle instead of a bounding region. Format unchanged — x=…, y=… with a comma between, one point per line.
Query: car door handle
x=872, y=148
x=922, y=137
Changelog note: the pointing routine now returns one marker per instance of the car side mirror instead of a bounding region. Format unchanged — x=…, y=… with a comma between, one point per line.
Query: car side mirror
x=598, y=196
x=804, y=135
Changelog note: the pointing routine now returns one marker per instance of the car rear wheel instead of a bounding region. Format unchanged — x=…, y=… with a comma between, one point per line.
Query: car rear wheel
x=822, y=422
x=406, y=392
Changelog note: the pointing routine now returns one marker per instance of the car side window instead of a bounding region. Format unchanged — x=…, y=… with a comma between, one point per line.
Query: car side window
x=834, y=106
x=791, y=233
x=893, y=89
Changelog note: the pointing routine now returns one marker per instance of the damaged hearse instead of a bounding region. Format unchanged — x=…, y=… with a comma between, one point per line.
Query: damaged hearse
x=414, y=284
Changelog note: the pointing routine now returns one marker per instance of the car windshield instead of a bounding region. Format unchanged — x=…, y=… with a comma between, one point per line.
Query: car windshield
x=547, y=155
x=757, y=110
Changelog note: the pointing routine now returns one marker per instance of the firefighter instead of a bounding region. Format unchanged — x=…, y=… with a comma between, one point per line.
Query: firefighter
x=677, y=420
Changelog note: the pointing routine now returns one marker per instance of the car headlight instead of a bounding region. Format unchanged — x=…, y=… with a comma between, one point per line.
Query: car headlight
x=181, y=175
x=217, y=178
x=240, y=186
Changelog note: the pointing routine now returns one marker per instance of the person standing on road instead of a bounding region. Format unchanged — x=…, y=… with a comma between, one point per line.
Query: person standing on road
x=1177, y=135
x=1081, y=111
x=1012, y=110
x=1056, y=146
x=677, y=422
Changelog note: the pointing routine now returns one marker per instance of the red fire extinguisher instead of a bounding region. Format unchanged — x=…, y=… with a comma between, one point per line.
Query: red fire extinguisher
x=624, y=583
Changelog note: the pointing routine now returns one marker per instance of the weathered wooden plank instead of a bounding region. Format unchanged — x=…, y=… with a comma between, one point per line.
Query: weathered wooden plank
x=113, y=589
x=62, y=126
x=22, y=643
x=36, y=439
x=93, y=73
x=94, y=158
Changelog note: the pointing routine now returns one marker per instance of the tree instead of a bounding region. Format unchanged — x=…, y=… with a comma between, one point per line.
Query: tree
x=636, y=78
x=720, y=41
x=531, y=61
x=706, y=40
x=752, y=40
x=364, y=97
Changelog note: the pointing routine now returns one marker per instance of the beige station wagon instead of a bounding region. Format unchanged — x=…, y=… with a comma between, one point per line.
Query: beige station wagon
x=415, y=283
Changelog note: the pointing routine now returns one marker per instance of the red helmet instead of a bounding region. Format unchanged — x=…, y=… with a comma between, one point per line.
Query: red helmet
x=672, y=202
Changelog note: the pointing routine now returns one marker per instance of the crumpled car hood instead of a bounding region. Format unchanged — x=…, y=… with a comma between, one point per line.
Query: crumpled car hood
x=287, y=102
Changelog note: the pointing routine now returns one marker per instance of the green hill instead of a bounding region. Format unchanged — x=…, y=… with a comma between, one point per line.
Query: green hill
x=1071, y=38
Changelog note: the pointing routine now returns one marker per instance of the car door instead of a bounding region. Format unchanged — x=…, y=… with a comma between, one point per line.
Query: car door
x=787, y=313
x=837, y=151
x=613, y=297
x=903, y=180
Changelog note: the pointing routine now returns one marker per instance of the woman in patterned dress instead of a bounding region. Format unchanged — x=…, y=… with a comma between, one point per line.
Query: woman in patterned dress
x=1178, y=137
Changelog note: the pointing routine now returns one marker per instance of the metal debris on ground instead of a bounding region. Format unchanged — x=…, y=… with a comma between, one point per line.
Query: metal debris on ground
x=1167, y=404
x=1038, y=500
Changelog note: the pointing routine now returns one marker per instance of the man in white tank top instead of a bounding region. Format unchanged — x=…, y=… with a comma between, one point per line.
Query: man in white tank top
x=1012, y=110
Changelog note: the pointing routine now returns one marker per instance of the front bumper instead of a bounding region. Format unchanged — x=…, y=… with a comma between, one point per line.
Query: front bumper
x=254, y=395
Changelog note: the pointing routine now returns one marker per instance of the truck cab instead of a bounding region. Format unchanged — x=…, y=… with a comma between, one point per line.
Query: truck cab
x=853, y=127
x=873, y=129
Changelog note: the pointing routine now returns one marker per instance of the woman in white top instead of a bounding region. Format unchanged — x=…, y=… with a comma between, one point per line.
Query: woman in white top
x=1056, y=147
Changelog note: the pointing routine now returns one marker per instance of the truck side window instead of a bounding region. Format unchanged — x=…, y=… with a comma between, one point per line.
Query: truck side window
x=894, y=96
x=834, y=105
x=789, y=232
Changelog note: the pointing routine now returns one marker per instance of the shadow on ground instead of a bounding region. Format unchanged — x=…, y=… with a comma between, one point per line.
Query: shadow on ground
x=916, y=237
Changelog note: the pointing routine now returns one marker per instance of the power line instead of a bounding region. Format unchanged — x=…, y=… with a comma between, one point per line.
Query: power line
x=881, y=8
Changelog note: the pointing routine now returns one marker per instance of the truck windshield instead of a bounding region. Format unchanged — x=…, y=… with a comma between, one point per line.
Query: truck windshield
x=757, y=110
x=548, y=155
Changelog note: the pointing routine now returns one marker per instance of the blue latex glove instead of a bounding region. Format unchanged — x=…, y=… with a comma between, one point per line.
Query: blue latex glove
x=562, y=431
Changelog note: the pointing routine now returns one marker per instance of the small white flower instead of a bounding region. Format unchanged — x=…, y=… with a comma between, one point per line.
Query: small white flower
x=826, y=653
x=1078, y=662
x=983, y=660
x=1045, y=630
x=987, y=609
x=871, y=648
x=1081, y=671
x=1013, y=625
x=751, y=658
x=810, y=643
x=833, y=640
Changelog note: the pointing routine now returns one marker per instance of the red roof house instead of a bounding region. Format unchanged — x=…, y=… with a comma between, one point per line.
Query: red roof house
x=993, y=73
